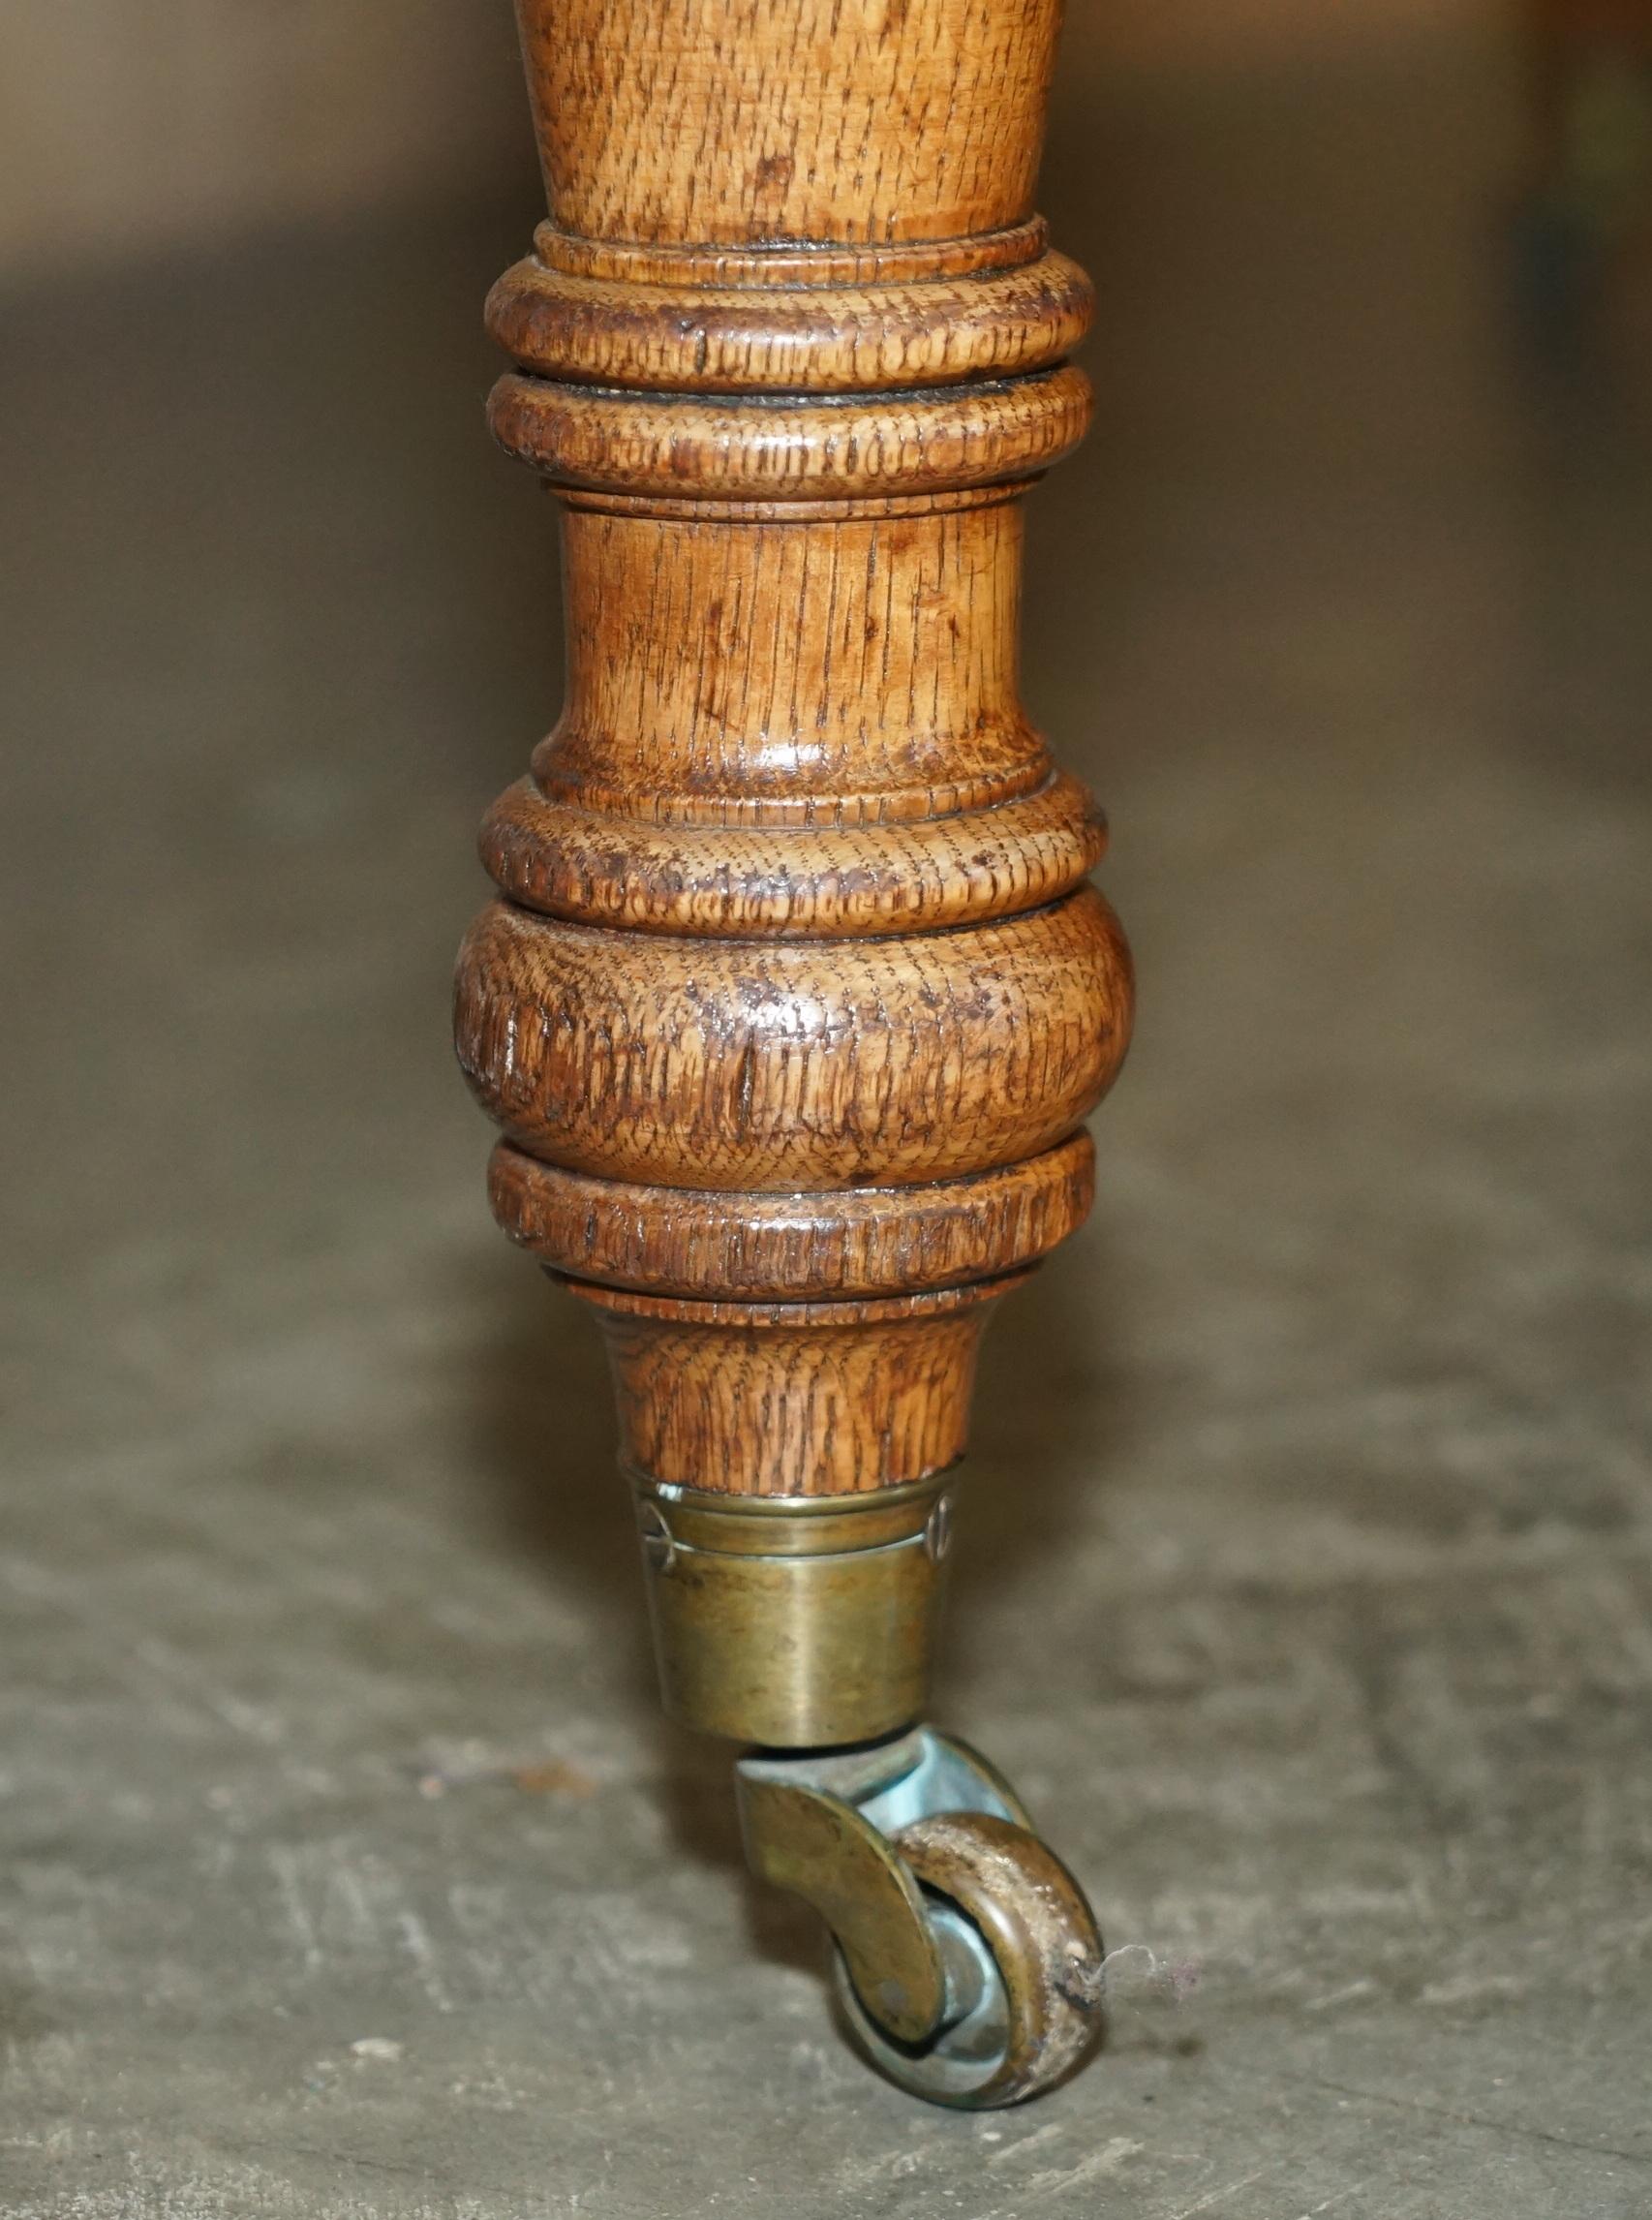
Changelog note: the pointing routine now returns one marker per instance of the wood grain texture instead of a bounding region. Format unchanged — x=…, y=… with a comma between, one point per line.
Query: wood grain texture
x=814, y=339
x=867, y=1240
x=734, y=120
x=784, y=1064
x=793, y=1399
x=771, y=263
x=795, y=996
x=889, y=875
x=780, y=446
x=816, y=671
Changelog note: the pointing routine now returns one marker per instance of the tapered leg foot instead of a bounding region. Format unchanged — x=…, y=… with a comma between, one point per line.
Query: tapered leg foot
x=795, y=994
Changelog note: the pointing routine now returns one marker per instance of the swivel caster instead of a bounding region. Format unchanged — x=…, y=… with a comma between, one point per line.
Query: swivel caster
x=966, y=1963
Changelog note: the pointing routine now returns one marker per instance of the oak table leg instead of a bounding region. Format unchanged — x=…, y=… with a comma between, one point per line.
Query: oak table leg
x=796, y=992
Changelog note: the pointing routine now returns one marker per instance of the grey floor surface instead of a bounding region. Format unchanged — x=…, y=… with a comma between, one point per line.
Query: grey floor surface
x=1304, y=1582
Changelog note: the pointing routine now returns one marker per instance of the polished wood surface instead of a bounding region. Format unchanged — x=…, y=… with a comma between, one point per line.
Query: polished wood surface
x=796, y=994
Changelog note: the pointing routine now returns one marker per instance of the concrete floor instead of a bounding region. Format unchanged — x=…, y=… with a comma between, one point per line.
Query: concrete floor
x=1304, y=1585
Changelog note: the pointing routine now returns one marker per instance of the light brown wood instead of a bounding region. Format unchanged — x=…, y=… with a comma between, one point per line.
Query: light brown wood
x=794, y=1399
x=737, y=120
x=795, y=996
x=781, y=1065
x=897, y=696
x=640, y=331
x=792, y=447
x=862, y=1240
x=752, y=877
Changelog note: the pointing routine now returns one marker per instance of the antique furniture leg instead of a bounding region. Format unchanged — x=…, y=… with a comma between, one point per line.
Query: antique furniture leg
x=796, y=992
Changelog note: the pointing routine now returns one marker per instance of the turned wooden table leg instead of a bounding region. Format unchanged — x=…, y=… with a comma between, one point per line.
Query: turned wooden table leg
x=796, y=992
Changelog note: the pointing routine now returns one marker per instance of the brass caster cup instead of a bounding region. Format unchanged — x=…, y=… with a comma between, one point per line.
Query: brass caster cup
x=794, y=1621
x=967, y=1964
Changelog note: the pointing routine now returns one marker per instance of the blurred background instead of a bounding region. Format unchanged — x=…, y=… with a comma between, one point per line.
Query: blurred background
x=1304, y=1585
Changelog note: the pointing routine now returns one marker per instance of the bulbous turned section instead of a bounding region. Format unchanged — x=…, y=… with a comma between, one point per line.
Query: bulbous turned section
x=779, y=1066
x=796, y=994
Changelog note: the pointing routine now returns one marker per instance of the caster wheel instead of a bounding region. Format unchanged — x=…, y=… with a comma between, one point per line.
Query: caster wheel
x=1023, y=1963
